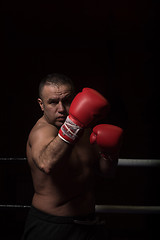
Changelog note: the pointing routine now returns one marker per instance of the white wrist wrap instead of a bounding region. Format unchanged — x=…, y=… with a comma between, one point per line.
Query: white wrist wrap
x=69, y=131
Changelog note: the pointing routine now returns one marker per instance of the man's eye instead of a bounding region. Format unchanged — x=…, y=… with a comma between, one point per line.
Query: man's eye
x=67, y=101
x=54, y=102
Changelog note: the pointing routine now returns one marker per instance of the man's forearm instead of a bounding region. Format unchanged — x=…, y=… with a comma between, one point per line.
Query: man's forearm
x=53, y=154
x=108, y=165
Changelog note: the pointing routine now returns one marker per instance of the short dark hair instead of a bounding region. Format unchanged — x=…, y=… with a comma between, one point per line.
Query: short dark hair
x=57, y=79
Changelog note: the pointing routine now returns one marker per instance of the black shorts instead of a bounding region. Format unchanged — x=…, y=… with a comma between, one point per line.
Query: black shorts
x=42, y=226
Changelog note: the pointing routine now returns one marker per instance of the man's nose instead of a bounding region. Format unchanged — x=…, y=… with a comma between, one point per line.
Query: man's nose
x=61, y=107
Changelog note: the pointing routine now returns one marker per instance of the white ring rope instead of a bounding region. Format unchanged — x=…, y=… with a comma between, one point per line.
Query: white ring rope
x=139, y=162
x=107, y=209
x=121, y=162
x=127, y=209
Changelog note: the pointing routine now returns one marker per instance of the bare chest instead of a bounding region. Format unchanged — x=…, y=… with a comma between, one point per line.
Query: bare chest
x=80, y=164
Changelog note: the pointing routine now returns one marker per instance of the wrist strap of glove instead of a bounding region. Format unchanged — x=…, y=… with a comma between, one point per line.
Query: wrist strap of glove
x=109, y=157
x=69, y=131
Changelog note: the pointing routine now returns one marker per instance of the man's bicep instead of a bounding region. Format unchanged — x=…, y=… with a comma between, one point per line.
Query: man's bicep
x=40, y=141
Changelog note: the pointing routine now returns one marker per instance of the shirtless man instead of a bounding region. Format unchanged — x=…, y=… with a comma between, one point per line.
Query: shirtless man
x=64, y=155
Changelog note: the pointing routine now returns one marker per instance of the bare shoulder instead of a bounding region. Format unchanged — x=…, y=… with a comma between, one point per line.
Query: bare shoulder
x=42, y=131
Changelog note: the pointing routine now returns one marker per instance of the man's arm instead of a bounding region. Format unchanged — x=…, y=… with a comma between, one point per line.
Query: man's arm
x=108, y=139
x=107, y=165
x=47, y=148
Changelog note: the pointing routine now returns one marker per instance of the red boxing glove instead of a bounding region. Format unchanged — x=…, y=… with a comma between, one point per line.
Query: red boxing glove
x=87, y=106
x=109, y=139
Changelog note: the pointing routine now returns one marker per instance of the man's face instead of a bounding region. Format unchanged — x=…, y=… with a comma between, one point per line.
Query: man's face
x=55, y=103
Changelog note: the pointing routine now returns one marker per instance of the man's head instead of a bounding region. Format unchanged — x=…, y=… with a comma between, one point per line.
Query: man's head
x=55, y=79
x=56, y=92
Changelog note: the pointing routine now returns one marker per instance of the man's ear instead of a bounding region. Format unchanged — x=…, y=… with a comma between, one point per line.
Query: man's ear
x=39, y=100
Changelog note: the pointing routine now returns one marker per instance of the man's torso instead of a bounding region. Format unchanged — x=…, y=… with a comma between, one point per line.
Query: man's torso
x=69, y=190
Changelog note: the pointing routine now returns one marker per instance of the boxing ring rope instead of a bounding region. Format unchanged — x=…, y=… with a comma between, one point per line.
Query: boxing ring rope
x=106, y=209
x=127, y=209
x=121, y=162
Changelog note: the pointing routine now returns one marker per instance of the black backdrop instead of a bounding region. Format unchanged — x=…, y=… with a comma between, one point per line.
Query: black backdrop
x=111, y=46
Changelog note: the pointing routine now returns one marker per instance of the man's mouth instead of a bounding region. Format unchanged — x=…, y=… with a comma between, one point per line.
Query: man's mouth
x=61, y=118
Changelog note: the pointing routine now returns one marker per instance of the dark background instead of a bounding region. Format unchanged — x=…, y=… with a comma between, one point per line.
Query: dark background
x=111, y=46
